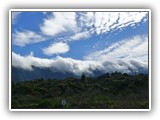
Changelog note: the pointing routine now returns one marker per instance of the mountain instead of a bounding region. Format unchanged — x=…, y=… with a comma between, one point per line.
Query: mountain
x=19, y=74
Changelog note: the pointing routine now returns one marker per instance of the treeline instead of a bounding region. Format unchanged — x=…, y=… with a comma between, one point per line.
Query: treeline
x=108, y=91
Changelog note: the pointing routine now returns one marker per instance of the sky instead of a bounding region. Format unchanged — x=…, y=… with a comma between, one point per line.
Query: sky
x=81, y=42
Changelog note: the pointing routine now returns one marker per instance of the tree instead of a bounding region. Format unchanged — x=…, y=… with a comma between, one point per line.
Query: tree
x=83, y=78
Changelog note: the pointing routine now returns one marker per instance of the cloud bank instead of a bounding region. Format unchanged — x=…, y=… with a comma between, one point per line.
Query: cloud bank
x=59, y=64
x=124, y=56
x=77, y=67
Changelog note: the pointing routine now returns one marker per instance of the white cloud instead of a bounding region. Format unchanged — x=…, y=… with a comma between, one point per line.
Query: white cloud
x=80, y=36
x=56, y=48
x=26, y=37
x=86, y=19
x=85, y=23
x=14, y=16
x=107, y=21
x=59, y=22
x=103, y=21
x=80, y=22
x=58, y=64
x=26, y=62
x=134, y=48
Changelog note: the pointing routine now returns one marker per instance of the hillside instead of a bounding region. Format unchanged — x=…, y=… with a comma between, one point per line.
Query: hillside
x=115, y=91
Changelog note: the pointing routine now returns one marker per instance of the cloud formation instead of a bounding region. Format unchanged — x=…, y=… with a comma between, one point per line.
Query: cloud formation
x=59, y=22
x=14, y=16
x=74, y=26
x=108, y=21
x=77, y=67
x=82, y=25
x=59, y=64
x=79, y=36
x=26, y=37
x=65, y=27
x=136, y=47
x=124, y=56
x=56, y=48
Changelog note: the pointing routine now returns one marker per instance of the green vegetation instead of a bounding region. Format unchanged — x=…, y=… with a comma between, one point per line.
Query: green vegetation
x=118, y=91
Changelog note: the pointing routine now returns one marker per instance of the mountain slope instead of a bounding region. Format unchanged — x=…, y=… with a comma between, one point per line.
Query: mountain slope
x=19, y=74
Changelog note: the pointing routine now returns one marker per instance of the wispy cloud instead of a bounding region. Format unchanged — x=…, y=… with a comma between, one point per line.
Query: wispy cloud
x=136, y=47
x=56, y=48
x=14, y=16
x=81, y=35
x=26, y=37
x=86, y=20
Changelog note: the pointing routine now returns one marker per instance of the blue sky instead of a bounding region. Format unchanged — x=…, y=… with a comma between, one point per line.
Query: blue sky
x=108, y=41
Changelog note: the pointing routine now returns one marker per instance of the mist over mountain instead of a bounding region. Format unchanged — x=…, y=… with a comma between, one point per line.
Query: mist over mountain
x=20, y=74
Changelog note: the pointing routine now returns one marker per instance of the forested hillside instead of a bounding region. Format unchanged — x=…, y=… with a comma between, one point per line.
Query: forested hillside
x=109, y=91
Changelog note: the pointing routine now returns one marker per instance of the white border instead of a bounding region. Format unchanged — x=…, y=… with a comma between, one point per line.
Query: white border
x=104, y=10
